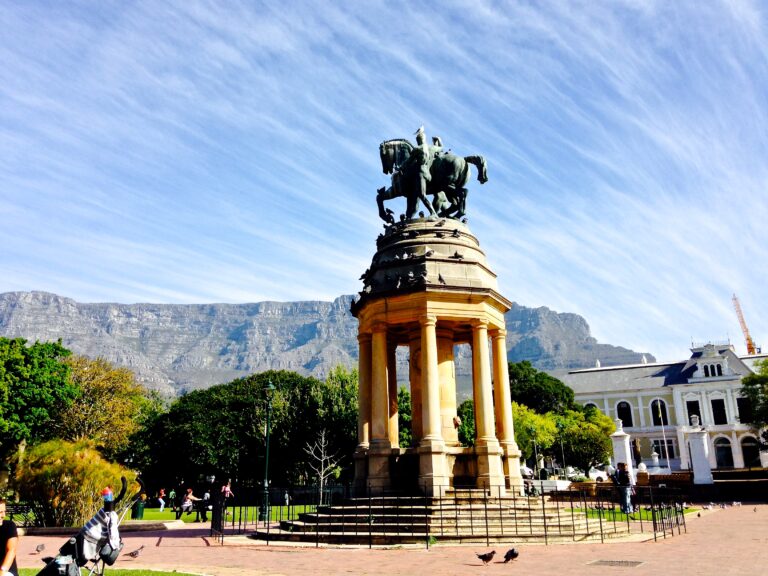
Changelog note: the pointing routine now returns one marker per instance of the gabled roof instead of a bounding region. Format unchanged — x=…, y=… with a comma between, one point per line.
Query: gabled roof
x=648, y=376
x=621, y=378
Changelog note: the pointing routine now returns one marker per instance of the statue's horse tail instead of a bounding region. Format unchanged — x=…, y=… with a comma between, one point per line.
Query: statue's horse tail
x=479, y=163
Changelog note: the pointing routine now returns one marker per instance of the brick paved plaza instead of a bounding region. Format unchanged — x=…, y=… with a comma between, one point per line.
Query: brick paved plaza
x=721, y=542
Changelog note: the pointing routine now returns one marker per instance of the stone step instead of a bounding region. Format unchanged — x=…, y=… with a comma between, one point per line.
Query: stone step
x=394, y=537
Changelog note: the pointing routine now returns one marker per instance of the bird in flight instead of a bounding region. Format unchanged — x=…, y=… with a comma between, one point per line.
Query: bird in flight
x=135, y=553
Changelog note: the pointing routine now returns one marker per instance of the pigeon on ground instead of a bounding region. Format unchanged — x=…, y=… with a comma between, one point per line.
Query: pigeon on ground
x=698, y=514
x=39, y=548
x=511, y=555
x=135, y=553
x=487, y=557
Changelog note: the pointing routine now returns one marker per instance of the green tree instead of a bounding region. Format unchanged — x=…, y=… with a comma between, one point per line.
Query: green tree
x=337, y=413
x=107, y=408
x=534, y=432
x=63, y=481
x=755, y=388
x=466, y=430
x=34, y=388
x=221, y=430
x=538, y=390
x=404, y=417
x=583, y=437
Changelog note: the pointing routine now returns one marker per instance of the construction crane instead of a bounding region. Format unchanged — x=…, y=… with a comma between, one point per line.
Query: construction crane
x=751, y=348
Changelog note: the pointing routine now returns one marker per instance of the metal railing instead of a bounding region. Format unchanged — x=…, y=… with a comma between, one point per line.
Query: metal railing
x=461, y=515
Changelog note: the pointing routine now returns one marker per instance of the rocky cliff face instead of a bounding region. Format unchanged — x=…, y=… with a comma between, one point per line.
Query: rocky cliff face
x=174, y=348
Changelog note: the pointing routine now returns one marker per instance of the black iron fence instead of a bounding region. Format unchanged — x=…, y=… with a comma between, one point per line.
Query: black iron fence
x=338, y=514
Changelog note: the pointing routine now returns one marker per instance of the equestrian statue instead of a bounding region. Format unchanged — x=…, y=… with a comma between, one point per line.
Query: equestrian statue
x=423, y=170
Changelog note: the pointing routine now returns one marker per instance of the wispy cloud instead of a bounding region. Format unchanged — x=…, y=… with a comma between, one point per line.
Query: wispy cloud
x=194, y=152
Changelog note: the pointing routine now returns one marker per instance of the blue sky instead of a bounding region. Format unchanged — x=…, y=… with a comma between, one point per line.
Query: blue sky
x=191, y=152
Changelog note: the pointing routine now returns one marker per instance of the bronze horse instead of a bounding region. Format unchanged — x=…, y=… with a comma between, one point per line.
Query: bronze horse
x=450, y=174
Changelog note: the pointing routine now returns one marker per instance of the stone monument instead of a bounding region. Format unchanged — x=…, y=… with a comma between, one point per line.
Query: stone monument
x=429, y=288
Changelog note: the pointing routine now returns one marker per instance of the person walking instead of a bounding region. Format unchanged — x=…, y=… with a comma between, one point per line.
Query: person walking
x=9, y=541
x=161, y=498
x=172, y=499
x=226, y=496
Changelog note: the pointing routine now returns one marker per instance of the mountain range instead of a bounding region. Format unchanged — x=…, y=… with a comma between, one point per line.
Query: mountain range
x=174, y=348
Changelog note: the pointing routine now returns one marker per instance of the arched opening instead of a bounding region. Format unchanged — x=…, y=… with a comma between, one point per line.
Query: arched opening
x=706, y=371
x=659, y=413
x=590, y=405
x=723, y=453
x=751, y=452
x=719, y=369
x=624, y=413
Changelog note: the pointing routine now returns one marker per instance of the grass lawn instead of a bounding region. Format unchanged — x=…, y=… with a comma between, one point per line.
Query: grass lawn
x=610, y=515
x=250, y=513
x=33, y=571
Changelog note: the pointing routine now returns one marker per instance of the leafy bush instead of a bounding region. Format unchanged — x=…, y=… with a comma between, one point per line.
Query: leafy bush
x=63, y=480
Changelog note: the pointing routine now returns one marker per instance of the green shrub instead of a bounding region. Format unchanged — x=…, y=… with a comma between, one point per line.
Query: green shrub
x=63, y=481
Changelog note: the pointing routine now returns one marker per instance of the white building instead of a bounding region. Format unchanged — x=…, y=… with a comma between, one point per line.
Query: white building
x=657, y=403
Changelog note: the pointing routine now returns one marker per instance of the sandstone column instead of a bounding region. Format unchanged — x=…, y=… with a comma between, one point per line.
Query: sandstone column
x=379, y=390
x=380, y=448
x=447, y=378
x=432, y=473
x=364, y=411
x=364, y=391
x=414, y=377
x=489, y=471
x=394, y=427
x=503, y=405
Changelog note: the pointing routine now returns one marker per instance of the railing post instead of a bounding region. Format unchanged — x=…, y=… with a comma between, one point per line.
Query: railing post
x=514, y=510
x=485, y=509
x=370, y=519
x=471, y=515
x=456, y=511
x=573, y=517
x=501, y=514
x=426, y=524
x=440, y=507
x=544, y=516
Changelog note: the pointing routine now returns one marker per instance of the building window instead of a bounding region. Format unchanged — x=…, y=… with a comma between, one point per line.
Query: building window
x=719, y=370
x=658, y=447
x=624, y=413
x=692, y=406
x=590, y=405
x=706, y=371
x=718, y=411
x=745, y=410
x=751, y=452
x=659, y=413
x=723, y=453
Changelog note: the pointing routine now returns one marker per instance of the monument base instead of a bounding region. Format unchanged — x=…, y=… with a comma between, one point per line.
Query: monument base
x=433, y=476
x=489, y=467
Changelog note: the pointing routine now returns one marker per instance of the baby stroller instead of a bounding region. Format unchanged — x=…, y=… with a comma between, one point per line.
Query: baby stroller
x=85, y=549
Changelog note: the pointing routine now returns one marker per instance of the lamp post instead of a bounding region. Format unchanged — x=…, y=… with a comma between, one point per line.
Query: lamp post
x=264, y=512
x=560, y=428
x=532, y=432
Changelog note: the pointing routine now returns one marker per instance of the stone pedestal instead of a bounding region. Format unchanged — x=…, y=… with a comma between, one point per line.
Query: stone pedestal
x=622, y=452
x=699, y=446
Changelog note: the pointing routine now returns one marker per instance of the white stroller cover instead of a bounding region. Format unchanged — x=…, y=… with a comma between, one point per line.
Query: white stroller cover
x=100, y=530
